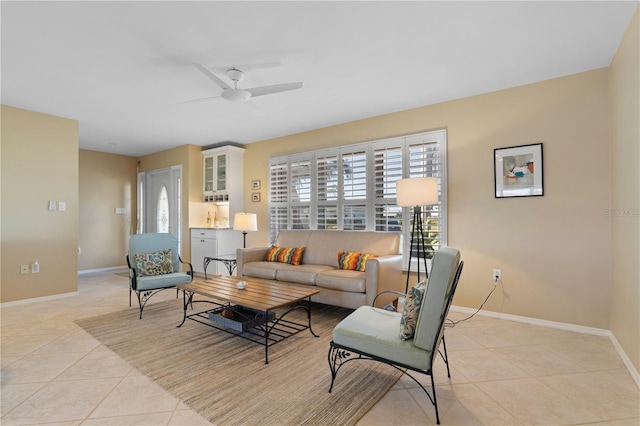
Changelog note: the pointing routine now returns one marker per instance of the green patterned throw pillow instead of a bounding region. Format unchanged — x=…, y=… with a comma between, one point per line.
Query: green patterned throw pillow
x=156, y=263
x=411, y=310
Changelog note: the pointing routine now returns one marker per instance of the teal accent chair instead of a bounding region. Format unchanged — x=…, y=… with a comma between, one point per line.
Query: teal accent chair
x=371, y=333
x=146, y=286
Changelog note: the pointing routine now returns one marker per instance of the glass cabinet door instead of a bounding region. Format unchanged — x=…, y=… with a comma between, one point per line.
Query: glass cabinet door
x=221, y=177
x=208, y=174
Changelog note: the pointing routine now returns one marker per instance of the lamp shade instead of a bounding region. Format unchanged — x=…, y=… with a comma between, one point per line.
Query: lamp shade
x=245, y=222
x=420, y=191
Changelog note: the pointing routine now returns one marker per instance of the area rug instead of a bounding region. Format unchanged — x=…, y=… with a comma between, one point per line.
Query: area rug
x=224, y=377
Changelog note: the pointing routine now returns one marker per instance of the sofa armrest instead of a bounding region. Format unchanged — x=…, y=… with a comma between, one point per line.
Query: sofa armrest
x=246, y=255
x=383, y=273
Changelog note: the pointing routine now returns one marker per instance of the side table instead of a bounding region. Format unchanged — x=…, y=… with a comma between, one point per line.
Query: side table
x=229, y=260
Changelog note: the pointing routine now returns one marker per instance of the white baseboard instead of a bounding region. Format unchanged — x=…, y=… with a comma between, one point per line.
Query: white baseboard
x=38, y=299
x=563, y=326
x=626, y=360
x=535, y=321
x=99, y=270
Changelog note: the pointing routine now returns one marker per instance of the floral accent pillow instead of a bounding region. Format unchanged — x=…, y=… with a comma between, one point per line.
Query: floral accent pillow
x=156, y=263
x=292, y=255
x=411, y=310
x=353, y=260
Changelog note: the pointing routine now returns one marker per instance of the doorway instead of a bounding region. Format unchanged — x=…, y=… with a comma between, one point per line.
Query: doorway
x=160, y=201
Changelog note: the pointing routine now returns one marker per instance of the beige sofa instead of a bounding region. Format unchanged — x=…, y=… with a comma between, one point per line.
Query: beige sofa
x=319, y=266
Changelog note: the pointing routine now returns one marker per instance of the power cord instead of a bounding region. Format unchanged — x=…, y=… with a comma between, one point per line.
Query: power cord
x=450, y=324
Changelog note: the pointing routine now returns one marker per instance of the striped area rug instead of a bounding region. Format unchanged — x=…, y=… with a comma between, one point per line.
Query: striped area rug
x=224, y=378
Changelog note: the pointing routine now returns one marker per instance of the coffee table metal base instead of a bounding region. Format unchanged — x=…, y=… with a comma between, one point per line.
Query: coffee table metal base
x=262, y=327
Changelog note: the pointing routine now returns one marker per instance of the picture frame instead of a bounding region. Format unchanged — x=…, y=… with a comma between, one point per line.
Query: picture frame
x=255, y=184
x=255, y=197
x=518, y=171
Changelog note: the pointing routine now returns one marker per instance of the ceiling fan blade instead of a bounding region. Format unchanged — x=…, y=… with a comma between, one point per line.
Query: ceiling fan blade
x=194, y=101
x=212, y=76
x=267, y=90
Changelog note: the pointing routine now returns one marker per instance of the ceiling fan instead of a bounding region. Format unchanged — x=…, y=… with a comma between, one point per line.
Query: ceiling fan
x=234, y=94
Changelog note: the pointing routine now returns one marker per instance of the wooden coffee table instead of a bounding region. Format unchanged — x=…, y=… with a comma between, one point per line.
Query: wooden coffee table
x=249, y=313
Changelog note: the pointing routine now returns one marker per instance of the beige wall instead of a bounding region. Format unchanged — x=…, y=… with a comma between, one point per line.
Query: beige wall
x=625, y=192
x=39, y=163
x=190, y=158
x=107, y=182
x=553, y=250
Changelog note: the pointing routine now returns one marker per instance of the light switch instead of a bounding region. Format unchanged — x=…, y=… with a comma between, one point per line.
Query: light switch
x=52, y=205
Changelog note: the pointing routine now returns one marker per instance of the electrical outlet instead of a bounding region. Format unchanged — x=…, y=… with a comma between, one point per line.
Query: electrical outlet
x=24, y=269
x=497, y=275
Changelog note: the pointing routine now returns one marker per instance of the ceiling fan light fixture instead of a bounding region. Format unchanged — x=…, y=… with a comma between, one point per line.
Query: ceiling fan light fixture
x=237, y=95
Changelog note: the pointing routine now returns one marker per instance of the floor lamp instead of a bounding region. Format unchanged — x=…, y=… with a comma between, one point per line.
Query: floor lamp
x=417, y=192
x=245, y=222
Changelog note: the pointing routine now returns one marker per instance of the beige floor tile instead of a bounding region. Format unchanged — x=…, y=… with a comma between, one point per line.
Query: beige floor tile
x=61, y=401
x=590, y=354
x=97, y=365
x=13, y=395
x=135, y=395
x=457, y=340
x=23, y=345
x=397, y=407
x=187, y=417
x=77, y=342
x=532, y=402
x=464, y=405
x=633, y=421
x=483, y=365
x=536, y=360
x=38, y=368
x=152, y=419
x=598, y=394
x=7, y=360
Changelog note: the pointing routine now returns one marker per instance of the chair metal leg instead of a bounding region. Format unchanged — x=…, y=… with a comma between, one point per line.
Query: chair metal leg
x=445, y=357
x=435, y=401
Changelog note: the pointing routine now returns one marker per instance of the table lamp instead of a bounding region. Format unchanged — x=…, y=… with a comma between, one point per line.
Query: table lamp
x=245, y=222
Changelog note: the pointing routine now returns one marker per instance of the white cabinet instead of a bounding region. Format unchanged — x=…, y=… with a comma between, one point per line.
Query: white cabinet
x=222, y=174
x=211, y=243
x=203, y=244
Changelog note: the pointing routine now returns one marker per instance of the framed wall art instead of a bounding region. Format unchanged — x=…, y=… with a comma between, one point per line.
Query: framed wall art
x=255, y=197
x=518, y=171
x=255, y=184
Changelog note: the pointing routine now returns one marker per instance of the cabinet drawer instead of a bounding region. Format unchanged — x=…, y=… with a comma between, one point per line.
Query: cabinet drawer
x=204, y=233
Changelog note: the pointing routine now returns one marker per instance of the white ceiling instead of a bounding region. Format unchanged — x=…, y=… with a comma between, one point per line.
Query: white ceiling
x=122, y=68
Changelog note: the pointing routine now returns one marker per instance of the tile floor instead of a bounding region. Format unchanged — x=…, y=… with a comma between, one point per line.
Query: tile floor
x=502, y=373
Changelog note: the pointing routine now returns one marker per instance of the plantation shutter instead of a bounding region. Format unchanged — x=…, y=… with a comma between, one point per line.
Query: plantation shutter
x=327, y=191
x=301, y=193
x=278, y=197
x=354, y=189
x=425, y=158
x=387, y=169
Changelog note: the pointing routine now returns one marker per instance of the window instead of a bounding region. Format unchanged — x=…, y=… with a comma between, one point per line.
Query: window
x=354, y=188
x=162, y=214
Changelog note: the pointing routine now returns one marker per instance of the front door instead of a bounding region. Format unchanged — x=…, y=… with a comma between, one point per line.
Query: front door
x=162, y=200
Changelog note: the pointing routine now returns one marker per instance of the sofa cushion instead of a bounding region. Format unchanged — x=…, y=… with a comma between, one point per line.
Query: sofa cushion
x=261, y=269
x=156, y=263
x=291, y=255
x=411, y=310
x=353, y=260
x=300, y=274
x=342, y=279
